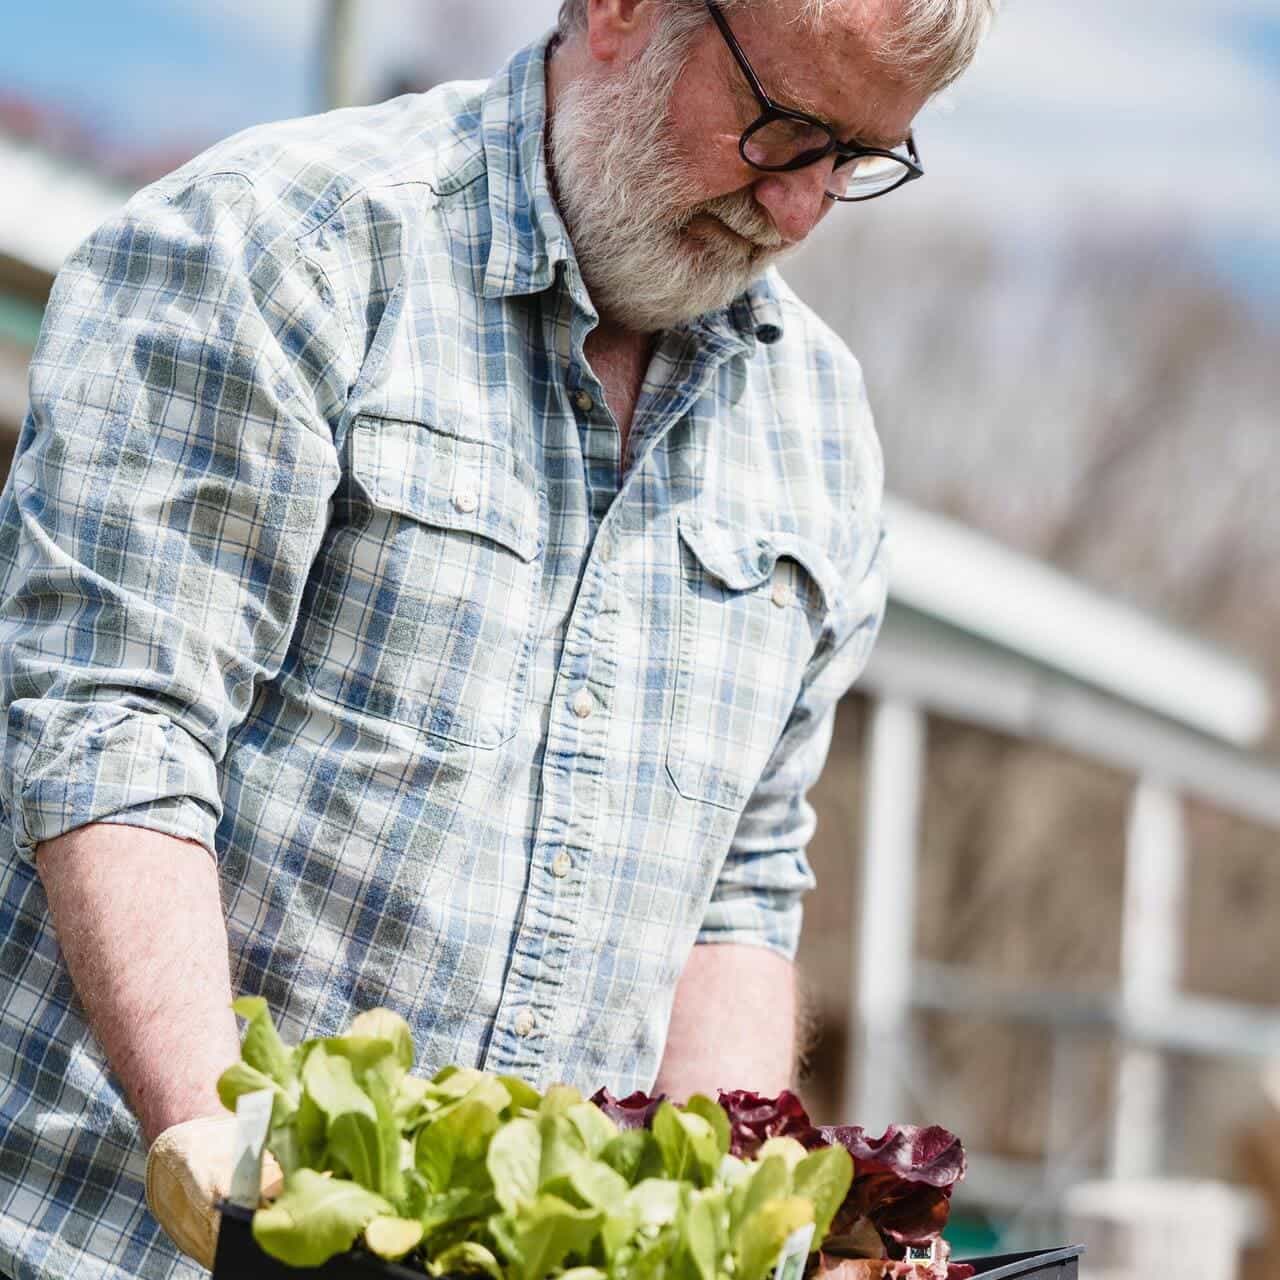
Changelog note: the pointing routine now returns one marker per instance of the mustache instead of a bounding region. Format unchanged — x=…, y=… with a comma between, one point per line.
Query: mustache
x=740, y=213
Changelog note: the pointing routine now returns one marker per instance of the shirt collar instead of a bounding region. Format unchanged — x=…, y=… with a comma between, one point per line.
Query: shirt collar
x=528, y=239
x=758, y=312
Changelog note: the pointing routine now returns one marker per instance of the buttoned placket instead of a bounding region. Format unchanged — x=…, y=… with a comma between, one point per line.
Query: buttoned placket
x=575, y=762
x=598, y=433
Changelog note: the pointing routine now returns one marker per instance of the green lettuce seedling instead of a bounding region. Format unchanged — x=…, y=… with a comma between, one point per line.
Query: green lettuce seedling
x=469, y=1173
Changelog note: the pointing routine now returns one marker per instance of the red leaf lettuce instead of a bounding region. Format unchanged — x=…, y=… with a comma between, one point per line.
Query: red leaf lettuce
x=902, y=1182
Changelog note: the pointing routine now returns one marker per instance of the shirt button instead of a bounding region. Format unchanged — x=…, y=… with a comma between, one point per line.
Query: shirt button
x=583, y=704
x=583, y=402
x=466, y=500
x=525, y=1023
x=562, y=865
x=782, y=595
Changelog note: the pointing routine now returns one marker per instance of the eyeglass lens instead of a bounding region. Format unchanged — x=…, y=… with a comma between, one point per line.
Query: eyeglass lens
x=864, y=176
x=785, y=143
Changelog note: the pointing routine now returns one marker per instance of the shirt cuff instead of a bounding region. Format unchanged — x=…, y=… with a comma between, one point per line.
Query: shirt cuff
x=760, y=915
x=97, y=762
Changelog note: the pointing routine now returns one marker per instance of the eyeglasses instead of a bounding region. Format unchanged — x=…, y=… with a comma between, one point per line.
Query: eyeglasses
x=780, y=140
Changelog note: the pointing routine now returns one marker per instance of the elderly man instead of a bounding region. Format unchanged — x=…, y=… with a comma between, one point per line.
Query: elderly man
x=433, y=557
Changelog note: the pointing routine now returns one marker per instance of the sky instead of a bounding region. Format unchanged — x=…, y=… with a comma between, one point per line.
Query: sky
x=1150, y=115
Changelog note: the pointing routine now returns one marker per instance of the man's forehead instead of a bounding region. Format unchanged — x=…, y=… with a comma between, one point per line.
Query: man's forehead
x=815, y=67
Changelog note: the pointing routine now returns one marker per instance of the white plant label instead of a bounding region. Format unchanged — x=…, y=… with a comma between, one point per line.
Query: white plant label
x=253, y=1120
x=795, y=1253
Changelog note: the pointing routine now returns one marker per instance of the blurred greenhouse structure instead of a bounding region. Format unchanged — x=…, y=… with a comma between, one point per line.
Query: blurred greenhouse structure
x=980, y=636
x=998, y=647
x=50, y=204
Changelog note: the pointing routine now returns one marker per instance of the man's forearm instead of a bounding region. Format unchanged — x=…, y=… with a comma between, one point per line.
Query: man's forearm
x=139, y=920
x=733, y=1023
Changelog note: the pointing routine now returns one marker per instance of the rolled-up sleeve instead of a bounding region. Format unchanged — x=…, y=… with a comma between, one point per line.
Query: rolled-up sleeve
x=758, y=896
x=164, y=508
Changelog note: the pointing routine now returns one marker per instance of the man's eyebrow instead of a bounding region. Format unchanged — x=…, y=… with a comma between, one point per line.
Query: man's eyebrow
x=884, y=144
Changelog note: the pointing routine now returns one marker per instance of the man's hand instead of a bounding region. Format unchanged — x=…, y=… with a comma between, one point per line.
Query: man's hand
x=733, y=1023
x=188, y=1172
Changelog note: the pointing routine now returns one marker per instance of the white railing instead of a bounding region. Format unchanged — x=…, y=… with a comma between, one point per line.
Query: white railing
x=920, y=669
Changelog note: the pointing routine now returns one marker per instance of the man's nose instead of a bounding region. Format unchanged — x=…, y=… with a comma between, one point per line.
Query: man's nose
x=795, y=201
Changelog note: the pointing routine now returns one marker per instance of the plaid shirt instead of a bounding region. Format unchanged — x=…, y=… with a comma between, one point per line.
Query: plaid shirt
x=319, y=549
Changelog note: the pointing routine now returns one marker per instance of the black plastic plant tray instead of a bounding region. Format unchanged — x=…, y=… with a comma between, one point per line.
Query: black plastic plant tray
x=1061, y=1264
x=239, y=1258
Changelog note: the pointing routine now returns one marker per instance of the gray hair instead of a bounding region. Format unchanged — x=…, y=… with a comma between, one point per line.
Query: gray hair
x=930, y=45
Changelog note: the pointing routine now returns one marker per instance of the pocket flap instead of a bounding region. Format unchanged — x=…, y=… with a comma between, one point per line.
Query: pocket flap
x=738, y=559
x=743, y=560
x=442, y=480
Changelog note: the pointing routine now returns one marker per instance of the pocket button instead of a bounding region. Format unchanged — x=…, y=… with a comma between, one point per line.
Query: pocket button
x=466, y=500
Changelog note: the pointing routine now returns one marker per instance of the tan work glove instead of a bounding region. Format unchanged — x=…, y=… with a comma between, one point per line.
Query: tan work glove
x=188, y=1173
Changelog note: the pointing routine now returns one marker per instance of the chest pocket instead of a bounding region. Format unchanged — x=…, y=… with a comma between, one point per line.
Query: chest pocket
x=425, y=611
x=752, y=608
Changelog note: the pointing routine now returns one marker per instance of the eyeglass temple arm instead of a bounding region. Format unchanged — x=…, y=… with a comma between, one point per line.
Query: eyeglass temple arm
x=739, y=57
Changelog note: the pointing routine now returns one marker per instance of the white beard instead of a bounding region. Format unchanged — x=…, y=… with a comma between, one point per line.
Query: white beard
x=625, y=196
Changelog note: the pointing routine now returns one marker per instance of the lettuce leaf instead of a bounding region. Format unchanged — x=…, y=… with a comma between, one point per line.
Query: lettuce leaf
x=474, y=1174
x=635, y=1111
x=902, y=1185
x=755, y=1118
x=543, y=1234
x=315, y=1218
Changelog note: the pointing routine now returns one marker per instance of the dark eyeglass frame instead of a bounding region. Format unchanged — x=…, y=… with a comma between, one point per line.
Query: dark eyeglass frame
x=771, y=111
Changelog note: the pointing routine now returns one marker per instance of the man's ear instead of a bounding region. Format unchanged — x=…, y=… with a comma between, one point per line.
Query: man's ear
x=617, y=30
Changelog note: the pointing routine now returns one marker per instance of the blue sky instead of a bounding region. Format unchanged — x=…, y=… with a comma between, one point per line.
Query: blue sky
x=1101, y=108
x=150, y=72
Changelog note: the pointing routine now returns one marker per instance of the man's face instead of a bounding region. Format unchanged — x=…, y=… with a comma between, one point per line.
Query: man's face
x=667, y=219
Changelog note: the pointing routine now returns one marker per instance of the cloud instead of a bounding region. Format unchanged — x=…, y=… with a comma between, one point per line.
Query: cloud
x=287, y=24
x=1143, y=111
x=450, y=39
x=1095, y=56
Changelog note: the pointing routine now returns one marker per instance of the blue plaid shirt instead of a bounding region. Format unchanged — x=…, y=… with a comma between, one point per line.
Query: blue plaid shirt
x=319, y=549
